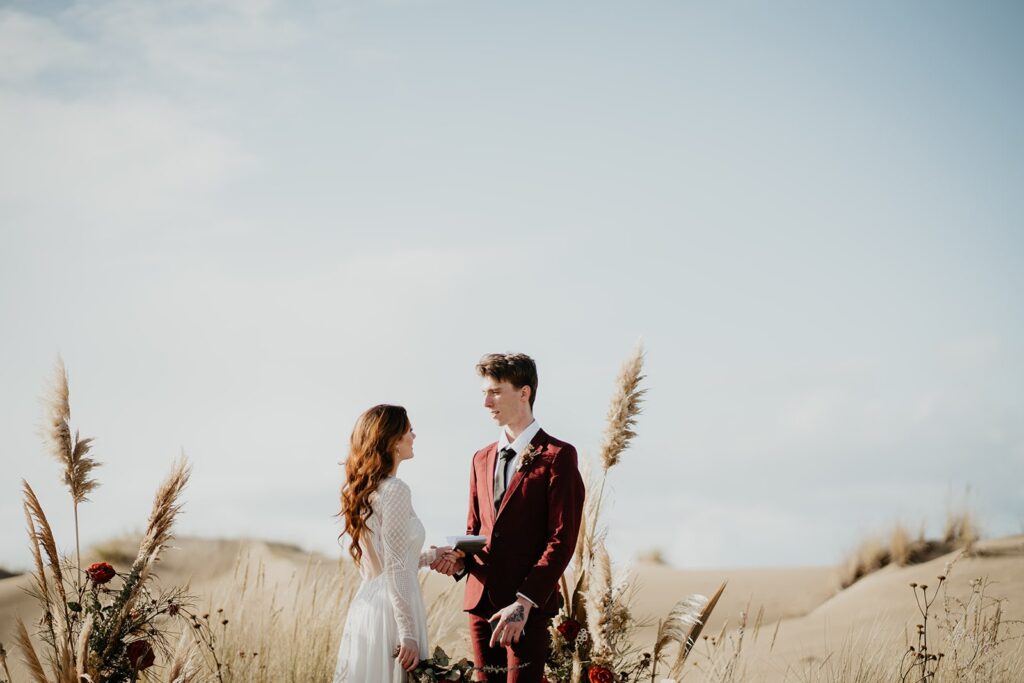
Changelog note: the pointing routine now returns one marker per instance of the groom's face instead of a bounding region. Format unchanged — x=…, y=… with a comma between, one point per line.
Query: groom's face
x=504, y=402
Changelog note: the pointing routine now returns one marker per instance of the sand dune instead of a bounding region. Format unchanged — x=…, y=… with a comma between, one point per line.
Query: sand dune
x=813, y=618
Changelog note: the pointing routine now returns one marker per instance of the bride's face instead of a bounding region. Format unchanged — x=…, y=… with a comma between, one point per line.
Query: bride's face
x=403, y=449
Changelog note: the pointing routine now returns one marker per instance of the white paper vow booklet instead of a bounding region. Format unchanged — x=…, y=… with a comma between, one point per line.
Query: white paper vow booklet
x=470, y=545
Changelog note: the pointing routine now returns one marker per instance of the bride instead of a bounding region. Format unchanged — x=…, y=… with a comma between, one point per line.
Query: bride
x=387, y=613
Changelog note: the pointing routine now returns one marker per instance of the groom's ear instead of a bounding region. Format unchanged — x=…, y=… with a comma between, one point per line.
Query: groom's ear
x=524, y=392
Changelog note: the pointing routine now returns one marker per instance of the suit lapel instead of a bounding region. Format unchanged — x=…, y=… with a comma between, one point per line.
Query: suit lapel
x=538, y=442
x=492, y=456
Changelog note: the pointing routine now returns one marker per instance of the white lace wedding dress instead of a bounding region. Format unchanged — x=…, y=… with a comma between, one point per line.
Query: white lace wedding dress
x=389, y=605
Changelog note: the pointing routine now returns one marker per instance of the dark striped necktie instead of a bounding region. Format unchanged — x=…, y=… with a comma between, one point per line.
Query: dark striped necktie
x=501, y=475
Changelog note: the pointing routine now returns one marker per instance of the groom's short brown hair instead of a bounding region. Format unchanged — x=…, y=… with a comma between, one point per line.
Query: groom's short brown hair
x=516, y=368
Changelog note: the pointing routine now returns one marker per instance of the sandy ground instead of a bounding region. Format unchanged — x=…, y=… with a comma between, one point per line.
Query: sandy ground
x=801, y=606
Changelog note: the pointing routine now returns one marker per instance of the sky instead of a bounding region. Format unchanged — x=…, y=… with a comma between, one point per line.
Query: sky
x=241, y=223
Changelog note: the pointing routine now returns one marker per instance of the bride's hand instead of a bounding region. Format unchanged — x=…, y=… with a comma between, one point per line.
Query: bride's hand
x=448, y=562
x=408, y=654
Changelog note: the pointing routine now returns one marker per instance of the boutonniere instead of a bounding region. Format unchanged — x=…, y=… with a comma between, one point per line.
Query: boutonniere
x=528, y=456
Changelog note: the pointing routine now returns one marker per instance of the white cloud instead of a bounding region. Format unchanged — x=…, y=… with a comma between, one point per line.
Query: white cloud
x=190, y=41
x=112, y=107
x=31, y=46
x=107, y=156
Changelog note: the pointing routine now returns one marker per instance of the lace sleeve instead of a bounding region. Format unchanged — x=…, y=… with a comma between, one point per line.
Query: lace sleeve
x=427, y=557
x=396, y=516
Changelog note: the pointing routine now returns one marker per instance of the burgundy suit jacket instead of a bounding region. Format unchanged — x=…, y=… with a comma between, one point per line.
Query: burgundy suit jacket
x=532, y=537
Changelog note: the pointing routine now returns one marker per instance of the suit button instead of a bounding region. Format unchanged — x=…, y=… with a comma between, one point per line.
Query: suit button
x=496, y=534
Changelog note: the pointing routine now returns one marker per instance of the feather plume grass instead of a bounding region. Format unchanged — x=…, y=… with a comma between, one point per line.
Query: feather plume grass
x=676, y=628
x=686, y=646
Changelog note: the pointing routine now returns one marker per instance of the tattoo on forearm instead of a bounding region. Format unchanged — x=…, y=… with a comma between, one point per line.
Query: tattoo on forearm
x=517, y=615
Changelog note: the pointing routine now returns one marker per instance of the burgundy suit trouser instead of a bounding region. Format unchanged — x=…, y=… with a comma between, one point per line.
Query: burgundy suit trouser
x=524, y=660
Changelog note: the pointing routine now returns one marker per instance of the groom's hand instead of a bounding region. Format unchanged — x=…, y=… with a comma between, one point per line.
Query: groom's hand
x=511, y=621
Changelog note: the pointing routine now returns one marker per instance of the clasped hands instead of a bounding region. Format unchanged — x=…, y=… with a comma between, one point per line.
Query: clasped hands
x=448, y=561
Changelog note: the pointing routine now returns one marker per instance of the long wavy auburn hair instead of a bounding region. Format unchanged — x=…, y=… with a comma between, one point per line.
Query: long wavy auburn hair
x=370, y=460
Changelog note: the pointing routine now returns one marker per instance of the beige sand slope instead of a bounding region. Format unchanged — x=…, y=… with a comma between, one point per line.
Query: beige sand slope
x=813, y=619
x=880, y=609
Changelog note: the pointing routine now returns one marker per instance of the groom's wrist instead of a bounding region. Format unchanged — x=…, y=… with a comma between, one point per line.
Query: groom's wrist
x=525, y=601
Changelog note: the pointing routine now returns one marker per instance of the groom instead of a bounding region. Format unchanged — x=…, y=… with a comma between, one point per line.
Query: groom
x=526, y=498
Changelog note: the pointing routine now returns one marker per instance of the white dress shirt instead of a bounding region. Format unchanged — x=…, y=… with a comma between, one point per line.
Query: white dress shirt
x=519, y=445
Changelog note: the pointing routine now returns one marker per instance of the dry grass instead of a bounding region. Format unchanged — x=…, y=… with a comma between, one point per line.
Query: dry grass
x=961, y=529
x=652, y=556
x=870, y=661
x=280, y=632
x=977, y=645
x=961, y=532
x=446, y=623
x=900, y=545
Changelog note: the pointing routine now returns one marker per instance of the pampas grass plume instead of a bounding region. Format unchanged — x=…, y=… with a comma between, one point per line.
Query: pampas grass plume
x=72, y=454
x=166, y=507
x=82, y=648
x=624, y=408
x=599, y=605
x=31, y=659
x=42, y=535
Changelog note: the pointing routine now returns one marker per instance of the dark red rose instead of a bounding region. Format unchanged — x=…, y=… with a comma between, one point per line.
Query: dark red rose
x=570, y=628
x=599, y=674
x=140, y=655
x=100, y=572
